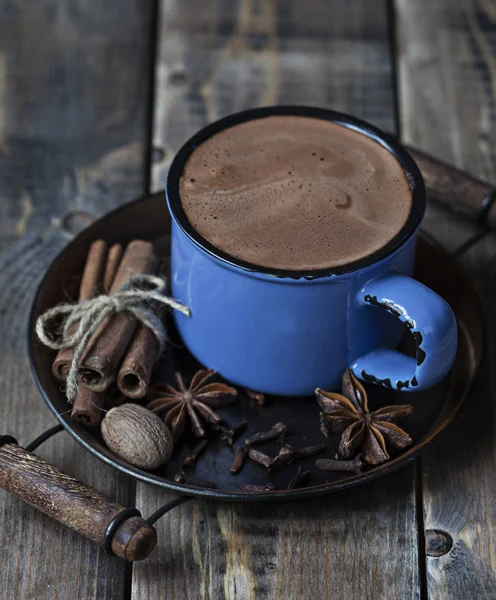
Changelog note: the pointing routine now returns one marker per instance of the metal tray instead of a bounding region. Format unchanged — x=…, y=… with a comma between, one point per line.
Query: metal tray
x=435, y=409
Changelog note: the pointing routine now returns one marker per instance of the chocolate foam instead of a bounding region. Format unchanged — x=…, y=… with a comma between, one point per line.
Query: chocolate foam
x=296, y=193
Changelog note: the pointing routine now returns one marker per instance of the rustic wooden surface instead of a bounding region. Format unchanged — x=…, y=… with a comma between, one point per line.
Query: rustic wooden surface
x=73, y=135
x=447, y=54
x=74, y=112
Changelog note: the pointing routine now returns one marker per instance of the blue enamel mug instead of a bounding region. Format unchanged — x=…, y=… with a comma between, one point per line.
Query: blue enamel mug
x=289, y=332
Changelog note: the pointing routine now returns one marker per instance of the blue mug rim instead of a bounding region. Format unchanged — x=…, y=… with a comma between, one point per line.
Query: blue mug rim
x=410, y=168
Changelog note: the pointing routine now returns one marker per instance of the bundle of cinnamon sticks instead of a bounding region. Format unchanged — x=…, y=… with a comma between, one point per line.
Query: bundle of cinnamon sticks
x=122, y=352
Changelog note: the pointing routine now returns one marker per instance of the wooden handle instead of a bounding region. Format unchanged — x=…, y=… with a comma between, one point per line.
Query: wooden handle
x=456, y=189
x=75, y=504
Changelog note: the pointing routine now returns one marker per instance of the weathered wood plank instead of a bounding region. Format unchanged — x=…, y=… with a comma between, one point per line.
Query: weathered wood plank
x=73, y=87
x=212, y=61
x=447, y=54
x=343, y=546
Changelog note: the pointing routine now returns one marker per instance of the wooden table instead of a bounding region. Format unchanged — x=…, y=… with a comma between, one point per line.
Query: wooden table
x=95, y=98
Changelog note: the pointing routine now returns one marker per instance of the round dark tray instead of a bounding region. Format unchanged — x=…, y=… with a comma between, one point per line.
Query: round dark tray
x=435, y=409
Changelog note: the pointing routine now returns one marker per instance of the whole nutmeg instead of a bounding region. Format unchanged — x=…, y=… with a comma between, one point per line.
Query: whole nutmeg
x=138, y=436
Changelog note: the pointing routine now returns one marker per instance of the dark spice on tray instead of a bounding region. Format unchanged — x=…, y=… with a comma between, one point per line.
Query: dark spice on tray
x=193, y=403
x=371, y=433
x=279, y=429
x=327, y=464
x=260, y=457
x=257, y=398
x=239, y=459
x=229, y=434
x=138, y=436
x=287, y=454
x=191, y=458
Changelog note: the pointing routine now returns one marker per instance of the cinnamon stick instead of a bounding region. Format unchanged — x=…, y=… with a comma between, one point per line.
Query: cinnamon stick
x=113, y=262
x=109, y=343
x=136, y=369
x=89, y=288
x=88, y=405
x=135, y=373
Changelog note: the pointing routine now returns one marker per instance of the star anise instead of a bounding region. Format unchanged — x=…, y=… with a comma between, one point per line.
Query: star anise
x=194, y=403
x=348, y=414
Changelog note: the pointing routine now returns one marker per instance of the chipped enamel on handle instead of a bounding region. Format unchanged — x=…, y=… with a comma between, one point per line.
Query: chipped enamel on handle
x=433, y=326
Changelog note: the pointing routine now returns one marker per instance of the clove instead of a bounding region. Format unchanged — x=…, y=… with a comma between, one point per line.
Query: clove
x=257, y=398
x=239, y=459
x=277, y=430
x=287, y=454
x=260, y=458
x=299, y=478
x=191, y=458
x=281, y=440
x=310, y=450
x=230, y=434
x=249, y=487
x=354, y=466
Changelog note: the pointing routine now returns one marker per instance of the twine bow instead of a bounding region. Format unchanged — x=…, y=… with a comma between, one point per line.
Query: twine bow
x=141, y=295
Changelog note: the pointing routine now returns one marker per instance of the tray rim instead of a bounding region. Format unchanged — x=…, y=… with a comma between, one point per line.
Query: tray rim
x=394, y=464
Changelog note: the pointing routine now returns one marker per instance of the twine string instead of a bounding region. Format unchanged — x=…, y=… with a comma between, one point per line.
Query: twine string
x=141, y=295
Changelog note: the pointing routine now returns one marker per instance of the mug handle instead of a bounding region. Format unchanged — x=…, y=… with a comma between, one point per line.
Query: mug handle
x=432, y=324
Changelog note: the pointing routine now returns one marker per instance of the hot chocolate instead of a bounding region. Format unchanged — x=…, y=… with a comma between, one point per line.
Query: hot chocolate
x=296, y=193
